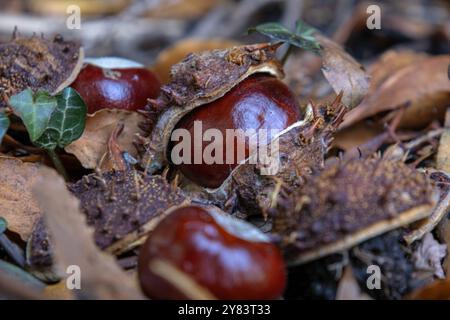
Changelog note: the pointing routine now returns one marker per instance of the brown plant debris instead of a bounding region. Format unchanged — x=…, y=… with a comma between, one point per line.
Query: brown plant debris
x=37, y=63
x=349, y=202
x=74, y=244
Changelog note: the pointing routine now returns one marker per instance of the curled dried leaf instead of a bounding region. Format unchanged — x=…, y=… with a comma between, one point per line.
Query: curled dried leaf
x=343, y=72
x=93, y=144
x=424, y=87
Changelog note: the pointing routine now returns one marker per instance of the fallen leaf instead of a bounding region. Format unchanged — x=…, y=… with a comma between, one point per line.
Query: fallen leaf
x=355, y=136
x=182, y=9
x=73, y=241
x=390, y=62
x=87, y=7
x=17, y=205
x=343, y=72
x=348, y=288
x=93, y=144
x=424, y=87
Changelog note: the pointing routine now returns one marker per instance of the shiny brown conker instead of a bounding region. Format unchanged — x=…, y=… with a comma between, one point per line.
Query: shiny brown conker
x=259, y=102
x=126, y=88
x=198, y=244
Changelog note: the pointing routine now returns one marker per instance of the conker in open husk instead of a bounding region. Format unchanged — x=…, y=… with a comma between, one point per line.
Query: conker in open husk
x=237, y=88
x=259, y=102
x=228, y=257
x=116, y=85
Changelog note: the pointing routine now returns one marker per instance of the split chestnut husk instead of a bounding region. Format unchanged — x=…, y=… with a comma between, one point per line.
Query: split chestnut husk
x=121, y=206
x=39, y=64
x=349, y=202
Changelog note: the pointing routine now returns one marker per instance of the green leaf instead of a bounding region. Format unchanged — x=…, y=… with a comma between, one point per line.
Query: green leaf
x=4, y=124
x=303, y=37
x=17, y=274
x=3, y=225
x=66, y=123
x=34, y=110
x=273, y=30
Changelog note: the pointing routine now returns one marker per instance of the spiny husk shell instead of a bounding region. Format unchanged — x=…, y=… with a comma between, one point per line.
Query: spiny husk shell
x=122, y=207
x=197, y=80
x=302, y=150
x=38, y=63
x=349, y=202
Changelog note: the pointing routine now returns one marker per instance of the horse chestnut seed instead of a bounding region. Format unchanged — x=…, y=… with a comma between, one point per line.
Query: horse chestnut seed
x=115, y=83
x=259, y=102
x=205, y=246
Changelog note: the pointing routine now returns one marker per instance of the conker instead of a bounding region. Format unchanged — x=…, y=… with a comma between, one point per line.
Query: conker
x=115, y=85
x=259, y=102
x=206, y=248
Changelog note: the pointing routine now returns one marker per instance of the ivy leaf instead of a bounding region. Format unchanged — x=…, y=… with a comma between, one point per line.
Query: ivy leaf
x=4, y=124
x=67, y=121
x=303, y=37
x=34, y=110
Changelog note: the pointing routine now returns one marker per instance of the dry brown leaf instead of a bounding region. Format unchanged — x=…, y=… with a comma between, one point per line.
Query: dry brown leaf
x=93, y=144
x=343, y=72
x=424, y=87
x=17, y=205
x=348, y=288
x=88, y=7
x=174, y=54
x=101, y=277
x=182, y=9
x=390, y=62
x=355, y=136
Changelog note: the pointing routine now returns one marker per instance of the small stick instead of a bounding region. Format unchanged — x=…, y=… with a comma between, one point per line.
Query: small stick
x=58, y=164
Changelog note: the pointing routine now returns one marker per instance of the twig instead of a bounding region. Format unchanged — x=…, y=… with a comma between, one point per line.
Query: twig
x=58, y=164
x=424, y=138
